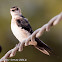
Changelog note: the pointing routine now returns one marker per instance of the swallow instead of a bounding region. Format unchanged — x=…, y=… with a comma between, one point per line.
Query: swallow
x=22, y=29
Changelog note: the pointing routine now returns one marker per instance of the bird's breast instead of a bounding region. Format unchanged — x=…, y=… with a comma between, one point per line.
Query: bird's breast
x=18, y=32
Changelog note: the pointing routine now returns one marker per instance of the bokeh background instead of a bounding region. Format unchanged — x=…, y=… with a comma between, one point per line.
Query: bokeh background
x=38, y=12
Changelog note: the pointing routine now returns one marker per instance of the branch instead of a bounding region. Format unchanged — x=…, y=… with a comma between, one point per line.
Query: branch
x=37, y=33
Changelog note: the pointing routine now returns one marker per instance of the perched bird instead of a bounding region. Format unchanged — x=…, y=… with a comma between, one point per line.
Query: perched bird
x=22, y=30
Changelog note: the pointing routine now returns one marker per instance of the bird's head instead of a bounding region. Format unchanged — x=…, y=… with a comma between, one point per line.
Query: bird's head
x=15, y=11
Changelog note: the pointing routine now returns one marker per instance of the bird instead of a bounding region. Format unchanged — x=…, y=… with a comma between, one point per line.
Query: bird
x=22, y=29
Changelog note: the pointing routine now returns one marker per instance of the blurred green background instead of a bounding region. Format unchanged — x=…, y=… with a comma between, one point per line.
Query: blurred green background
x=38, y=12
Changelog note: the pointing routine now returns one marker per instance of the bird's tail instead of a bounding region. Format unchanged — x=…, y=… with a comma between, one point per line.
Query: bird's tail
x=41, y=46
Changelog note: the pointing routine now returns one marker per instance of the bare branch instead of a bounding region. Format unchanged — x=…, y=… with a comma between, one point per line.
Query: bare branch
x=37, y=33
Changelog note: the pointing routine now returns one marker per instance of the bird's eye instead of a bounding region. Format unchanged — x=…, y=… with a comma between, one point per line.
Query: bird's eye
x=17, y=9
x=13, y=7
x=18, y=21
x=13, y=10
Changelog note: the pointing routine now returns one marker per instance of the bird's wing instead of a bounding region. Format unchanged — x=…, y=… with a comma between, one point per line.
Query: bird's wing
x=23, y=22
